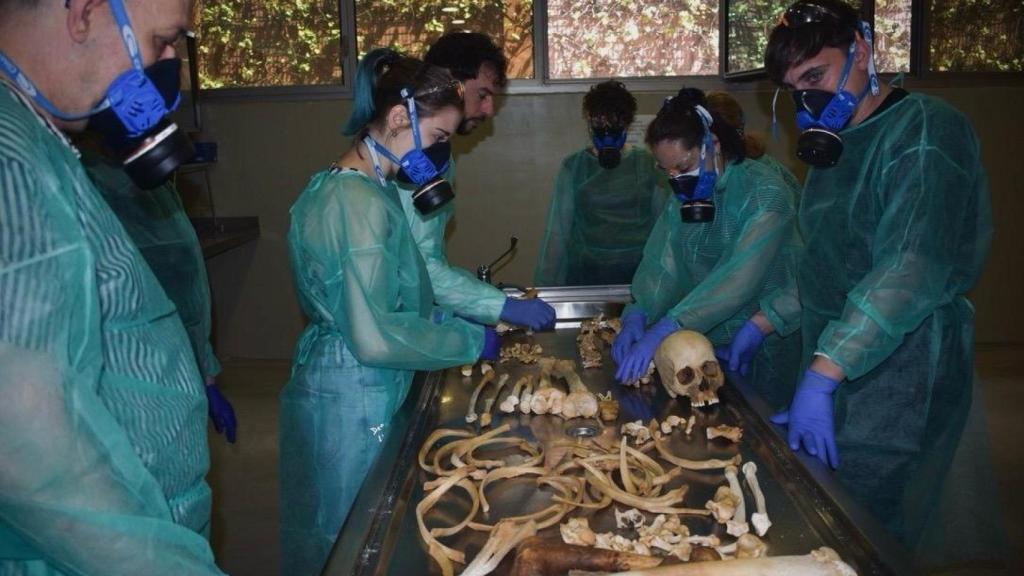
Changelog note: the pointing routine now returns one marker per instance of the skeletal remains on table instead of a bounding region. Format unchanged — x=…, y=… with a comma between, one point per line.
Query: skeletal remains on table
x=596, y=335
x=522, y=352
x=687, y=367
x=637, y=470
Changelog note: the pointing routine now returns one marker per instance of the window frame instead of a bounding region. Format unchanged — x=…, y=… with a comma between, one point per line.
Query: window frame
x=743, y=81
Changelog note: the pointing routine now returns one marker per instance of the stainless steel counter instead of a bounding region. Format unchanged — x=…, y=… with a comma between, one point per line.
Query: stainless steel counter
x=807, y=508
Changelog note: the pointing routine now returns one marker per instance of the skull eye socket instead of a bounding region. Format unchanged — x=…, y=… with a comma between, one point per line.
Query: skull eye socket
x=710, y=369
x=686, y=376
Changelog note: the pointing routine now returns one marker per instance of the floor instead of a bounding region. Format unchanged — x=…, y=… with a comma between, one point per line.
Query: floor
x=244, y=475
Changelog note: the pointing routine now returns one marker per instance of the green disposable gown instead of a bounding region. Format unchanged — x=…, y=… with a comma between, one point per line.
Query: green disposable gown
x=896, y=233
x=711, y=277
x=156, y=221
x=103, y=420
x=454, y=288
x=363, y=285
x=599, y=219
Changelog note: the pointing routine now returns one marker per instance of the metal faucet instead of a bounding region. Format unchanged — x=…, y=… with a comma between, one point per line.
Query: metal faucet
x=483, y=272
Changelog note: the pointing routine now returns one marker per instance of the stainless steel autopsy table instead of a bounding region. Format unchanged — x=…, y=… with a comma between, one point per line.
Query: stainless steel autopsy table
x=807, y=507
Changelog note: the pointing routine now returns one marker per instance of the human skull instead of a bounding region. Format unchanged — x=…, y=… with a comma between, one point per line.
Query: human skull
x=687, y=366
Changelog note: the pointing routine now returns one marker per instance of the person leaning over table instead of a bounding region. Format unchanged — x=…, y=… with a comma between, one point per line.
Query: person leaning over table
x=897, y=223
x=726, y=240
x=365, y=288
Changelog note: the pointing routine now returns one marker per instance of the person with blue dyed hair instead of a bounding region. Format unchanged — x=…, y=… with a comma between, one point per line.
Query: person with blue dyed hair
x=103, y=437
x=364, y=287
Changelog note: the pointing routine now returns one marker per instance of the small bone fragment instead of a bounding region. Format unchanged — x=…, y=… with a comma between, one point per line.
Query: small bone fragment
x=506, y=535
x=637, y=430
x=485, y=418
x=690, y=423
x=723, y=506
x=670, y=423
x=577, y=531
x=526, y=397
x=471, y=415
x=704, y=554
x=731, y=433
x=608, y=407
x=821, y=562
x=508, y=405
x=631, y=518
x=467, y=370
x=542, y=557
x=760, y=518
x=747, y=546
x=738, y=525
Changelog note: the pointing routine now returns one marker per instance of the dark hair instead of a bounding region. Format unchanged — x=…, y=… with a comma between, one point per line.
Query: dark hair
x=463, y=53
x=793, y=43
x=380, y=79
x=729, y=111
x=610, y=102
x=678, y=119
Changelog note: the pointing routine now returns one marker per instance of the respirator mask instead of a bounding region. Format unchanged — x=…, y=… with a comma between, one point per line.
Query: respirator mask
x=820, y=114
x=423, y=167
x=696, y=188
x=608, y=142
x=133, y=116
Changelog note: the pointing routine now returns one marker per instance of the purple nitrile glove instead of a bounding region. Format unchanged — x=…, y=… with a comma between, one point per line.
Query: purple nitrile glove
x=810, y=420
x=639, y=357
x=738, y=355
x=532, y=313
x=221, y=413
x=492, y=344
x=633, y=325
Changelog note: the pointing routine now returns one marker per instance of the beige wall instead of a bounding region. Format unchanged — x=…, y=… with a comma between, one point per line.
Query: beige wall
x=268, y=151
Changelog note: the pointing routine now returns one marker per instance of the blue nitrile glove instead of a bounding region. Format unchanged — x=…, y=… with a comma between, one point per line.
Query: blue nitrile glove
x=737, y=356
x=533, y=313
x=633, y=325
x=492, y=344
x=639, y=357
x=810, y=420
x=221, y=413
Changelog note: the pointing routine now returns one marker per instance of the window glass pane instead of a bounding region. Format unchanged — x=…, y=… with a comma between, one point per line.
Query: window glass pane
x=249, y=43
x=892, y=35
x=411, y=25
x=602, y=38
x=750, y=22
x=976, y=35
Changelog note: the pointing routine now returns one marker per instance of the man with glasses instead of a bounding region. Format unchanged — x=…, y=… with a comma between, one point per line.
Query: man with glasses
x=896, y=221
x=103, y=447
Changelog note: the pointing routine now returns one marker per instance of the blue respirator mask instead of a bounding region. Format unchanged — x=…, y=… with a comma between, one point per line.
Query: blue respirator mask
x=821, y=115
x=608, y=141
x=423, y=167
x=696, y=188
x=133, y=116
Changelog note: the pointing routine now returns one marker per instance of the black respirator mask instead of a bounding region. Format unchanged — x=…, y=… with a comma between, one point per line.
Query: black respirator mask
x=608, y=141
x=150, y=156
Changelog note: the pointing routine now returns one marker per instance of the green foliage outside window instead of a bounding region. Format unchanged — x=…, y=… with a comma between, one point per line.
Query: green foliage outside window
x=245, y=43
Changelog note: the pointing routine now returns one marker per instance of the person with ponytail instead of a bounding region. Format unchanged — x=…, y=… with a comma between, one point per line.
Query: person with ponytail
x=724, y=241
x=363, y=286
x=731, y=113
